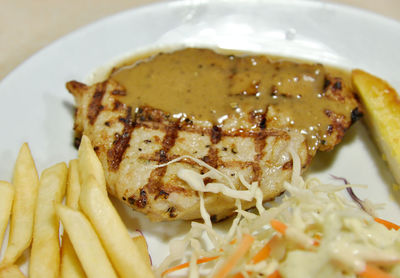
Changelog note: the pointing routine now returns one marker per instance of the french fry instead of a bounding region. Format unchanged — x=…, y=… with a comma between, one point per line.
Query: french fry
x=87, y=245
x=71, y=267
x=73, y=185
x=11, y=271
x=89, y=164
x=141, y=245
x=70, y=264
x=6, y=199
x=45, y=252
x=382, y=111
x=26, y=182
x=123, y=253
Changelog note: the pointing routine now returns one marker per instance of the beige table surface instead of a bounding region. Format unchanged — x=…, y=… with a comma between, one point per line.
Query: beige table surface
x=26, y=26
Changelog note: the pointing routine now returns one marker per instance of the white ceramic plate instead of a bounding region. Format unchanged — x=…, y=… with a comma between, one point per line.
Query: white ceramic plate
x=35, y=106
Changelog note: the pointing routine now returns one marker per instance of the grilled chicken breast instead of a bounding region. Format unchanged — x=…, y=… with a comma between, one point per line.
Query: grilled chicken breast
x=131, y=141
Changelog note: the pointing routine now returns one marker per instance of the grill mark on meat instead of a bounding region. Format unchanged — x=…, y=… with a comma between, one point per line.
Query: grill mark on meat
x=216, y=134
x=155, y=183
x=121, y=142
x=208, y=131
x=170, y=137
x=259, y=145
x=95, y=106
x=212, y=158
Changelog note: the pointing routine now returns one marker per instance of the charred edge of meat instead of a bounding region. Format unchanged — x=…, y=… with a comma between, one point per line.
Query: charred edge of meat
x=337, y=85
x=171, y=212
x=356, y=114
x=161, y=194
x=131, y=200
x=333, y=88
x=327, y=83
x=117, y=105
x=142, y=201
x=338, y=124
x=95, y=106
x=121, y=142
x=147, y=113
x=75, y=87
x=77, y=140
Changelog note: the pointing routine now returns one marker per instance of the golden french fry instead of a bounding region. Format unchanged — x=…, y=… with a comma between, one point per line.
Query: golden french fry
x=87, y=245
x=73, y=185
x=141, y=245
x=382, y=114
x=89, y=164
x=45, y=252
x=70, y=264
x=123, y=253
x=26, y=182
x=11, y=271
x=6, y=199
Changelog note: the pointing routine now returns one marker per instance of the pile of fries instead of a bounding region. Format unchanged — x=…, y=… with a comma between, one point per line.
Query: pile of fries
x=95, y=242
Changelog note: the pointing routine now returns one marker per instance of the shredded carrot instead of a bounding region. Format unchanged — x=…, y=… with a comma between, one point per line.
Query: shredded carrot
x=388, y=224
x=317, y=239
x=199, y=261
x=185, y=265
x=261, y=255
x=374, y=272
x=264, y=252
x=278, y=226
x=275, y=274
x=242, y=248
x=233, y=241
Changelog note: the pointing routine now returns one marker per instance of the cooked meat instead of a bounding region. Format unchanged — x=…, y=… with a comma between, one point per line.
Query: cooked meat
x=131, y=140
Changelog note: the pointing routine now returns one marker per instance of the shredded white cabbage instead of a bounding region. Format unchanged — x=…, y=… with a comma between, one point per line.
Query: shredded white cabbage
x=326, y=236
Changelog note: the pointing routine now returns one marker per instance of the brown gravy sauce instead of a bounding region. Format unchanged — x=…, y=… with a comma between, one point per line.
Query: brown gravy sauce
x=206, y=85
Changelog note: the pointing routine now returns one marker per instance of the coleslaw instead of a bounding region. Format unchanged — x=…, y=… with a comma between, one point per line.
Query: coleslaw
x=313, y=231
